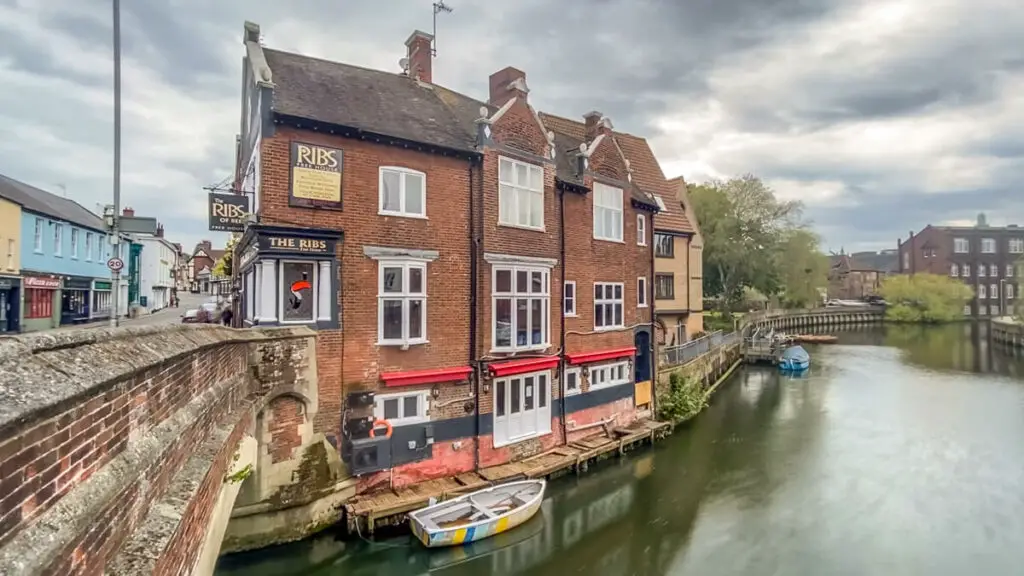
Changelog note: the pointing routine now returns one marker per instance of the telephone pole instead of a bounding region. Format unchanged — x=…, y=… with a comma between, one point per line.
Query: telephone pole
x=115, y=238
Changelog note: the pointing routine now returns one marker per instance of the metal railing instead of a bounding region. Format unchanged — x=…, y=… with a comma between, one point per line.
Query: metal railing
x=683, y=353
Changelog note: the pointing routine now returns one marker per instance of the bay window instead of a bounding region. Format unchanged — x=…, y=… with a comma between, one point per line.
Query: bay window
x=521, y=305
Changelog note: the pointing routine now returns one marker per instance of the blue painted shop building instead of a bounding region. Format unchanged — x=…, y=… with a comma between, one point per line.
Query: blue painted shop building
x=64, y=251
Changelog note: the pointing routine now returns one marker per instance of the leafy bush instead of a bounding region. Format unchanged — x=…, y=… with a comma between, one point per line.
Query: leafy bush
x=686, y=397
x=714, y=321
x=925, y=298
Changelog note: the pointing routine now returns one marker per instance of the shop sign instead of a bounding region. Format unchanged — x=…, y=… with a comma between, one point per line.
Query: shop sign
x=101, y=285
x=228, y=212
x=77, y=283
x=315, y=176
x=296, y=245
x=45, y=283
x=6, y=283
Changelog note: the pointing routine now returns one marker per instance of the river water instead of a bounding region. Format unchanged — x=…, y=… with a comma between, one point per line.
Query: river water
x=900, y=453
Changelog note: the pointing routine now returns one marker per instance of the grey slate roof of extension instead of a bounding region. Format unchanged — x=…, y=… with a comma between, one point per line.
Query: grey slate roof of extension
x=372, y=100
x=42, y=202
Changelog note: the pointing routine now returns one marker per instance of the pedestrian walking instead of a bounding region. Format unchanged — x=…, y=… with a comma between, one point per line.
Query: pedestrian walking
x=226, y=316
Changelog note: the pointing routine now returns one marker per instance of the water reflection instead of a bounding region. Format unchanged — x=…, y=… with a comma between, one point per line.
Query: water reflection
x=895, y=454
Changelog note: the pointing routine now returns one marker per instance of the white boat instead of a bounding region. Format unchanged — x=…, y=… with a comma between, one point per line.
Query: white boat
x=478, y=515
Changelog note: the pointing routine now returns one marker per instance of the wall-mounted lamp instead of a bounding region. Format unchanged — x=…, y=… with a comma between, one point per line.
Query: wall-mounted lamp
x=487, y=386
x=435, y=391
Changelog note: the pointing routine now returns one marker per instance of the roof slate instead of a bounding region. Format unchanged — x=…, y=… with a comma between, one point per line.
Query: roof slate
x=42, y=202
x=380, y=102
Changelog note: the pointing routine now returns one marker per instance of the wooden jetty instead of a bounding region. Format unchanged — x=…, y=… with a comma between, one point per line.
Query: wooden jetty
x=388, y=507
x=815, y=338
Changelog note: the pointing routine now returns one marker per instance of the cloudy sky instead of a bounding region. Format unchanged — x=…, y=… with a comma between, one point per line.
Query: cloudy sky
x=881, y=115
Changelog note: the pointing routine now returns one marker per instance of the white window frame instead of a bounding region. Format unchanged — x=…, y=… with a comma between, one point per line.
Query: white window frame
x=993, y=310
x=1016, y=246
x=993, y=291
x=641, y=292
x=422, y=407
x=610, y=302
x=993, y=271
x=965, y=270
x=403, y=175
x=406, y=297
x=961, y=245
x=608, y=200
x=967, y=309
x=982, y=270
x=578, y=374
x=508, y=184
x=569, y=302
x=988, y=245
x=641, y=230
x=74, y=243
x=982, y=294
x=58, y=239
x=1009, y=270
x=38, y=248
x=954, y=270
x=541, y=415
x=1009, y=291
x=544, y=296
x=603, y=375
x=88, y=246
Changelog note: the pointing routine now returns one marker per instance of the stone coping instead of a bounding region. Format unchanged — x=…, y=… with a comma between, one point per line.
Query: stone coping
x=42, y=374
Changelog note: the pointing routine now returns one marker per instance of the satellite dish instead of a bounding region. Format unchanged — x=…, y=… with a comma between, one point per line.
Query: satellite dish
x=404, y=63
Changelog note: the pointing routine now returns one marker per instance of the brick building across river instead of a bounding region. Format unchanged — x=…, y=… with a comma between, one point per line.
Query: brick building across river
x=484, y=269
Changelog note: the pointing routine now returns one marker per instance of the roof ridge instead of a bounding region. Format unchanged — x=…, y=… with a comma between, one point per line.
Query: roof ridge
x=335, y=62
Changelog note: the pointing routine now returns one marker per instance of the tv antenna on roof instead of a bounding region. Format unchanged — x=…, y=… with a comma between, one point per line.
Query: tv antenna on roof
x=439, y=7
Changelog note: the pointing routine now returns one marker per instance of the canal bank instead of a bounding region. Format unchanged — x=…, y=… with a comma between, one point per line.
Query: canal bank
x=898, y=453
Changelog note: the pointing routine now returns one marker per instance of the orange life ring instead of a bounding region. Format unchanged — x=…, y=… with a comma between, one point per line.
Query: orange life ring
x=377, y=424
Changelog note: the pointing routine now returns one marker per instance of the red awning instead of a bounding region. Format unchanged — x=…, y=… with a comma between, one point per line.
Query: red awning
x=599, y=355
x=523, y=366
x=414, y=377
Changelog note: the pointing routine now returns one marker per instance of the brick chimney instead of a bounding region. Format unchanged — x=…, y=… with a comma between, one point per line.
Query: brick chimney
x=507, y=84
x=128, y=211
x=596, y=124
x=420, y=56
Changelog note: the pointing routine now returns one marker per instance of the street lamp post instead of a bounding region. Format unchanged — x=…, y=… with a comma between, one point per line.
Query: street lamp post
x=115, y=235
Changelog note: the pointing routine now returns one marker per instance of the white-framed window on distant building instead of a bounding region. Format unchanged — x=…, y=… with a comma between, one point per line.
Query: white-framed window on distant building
x=961, y=245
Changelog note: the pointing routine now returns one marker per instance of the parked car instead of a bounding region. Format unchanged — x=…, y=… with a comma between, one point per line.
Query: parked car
x=190, y=317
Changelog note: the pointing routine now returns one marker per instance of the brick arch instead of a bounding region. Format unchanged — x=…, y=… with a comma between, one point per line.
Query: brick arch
x=284, y=428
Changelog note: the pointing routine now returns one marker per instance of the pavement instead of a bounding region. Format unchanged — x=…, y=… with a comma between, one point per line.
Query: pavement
x=162, y=317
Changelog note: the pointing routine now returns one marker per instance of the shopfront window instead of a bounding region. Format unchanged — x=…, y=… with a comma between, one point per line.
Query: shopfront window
x=38, y=303
x=298, y=294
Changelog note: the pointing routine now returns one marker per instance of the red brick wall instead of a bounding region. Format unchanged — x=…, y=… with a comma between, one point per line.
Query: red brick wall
x=45, y=458
x=286, y=416
x=350, y=358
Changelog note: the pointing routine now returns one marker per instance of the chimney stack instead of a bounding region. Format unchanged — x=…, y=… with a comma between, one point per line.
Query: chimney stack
x=596, y=124
x=420, y=56
x=507, y=84
x=128, y=211
x=159, y=230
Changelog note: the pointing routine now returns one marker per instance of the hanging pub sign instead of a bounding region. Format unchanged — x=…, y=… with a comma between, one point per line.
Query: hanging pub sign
x=228, y=212
x=315, y=176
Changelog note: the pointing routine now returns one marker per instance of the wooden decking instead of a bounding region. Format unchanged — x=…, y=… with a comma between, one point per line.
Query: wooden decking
x=388, y=507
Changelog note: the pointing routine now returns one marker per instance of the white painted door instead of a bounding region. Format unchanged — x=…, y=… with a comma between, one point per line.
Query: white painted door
x=515, y=408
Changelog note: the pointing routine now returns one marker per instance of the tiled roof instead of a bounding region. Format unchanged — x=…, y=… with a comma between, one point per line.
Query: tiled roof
x=372, y=100
x=42, y=202
x=674, y=218
x=647, y=174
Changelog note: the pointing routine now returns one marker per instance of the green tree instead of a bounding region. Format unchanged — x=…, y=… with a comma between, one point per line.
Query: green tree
x=742, y=223
x=803, y=268
x=925, y=298
x=224, y=266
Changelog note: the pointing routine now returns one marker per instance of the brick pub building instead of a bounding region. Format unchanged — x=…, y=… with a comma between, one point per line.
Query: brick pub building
x=479, y=273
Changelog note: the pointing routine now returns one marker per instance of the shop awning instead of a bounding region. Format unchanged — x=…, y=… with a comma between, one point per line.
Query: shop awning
x=523, y=366
x=599, y=355
x=431, y=376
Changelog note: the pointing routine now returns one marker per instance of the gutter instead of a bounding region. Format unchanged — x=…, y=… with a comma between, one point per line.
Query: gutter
x=654, y=334
x=472, y=315
x=561, y=320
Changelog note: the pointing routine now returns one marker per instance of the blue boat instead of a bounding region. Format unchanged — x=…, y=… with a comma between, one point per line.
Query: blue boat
x=794, y=359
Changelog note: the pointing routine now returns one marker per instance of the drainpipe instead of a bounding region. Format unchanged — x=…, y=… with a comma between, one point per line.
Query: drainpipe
x=472, y=318
x=654, y=337
x=561, y=321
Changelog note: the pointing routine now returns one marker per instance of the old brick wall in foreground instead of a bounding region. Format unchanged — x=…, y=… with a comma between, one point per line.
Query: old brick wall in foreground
x=99, y=428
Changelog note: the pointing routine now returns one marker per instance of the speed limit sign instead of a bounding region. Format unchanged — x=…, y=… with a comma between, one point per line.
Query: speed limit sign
x=115, y=264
